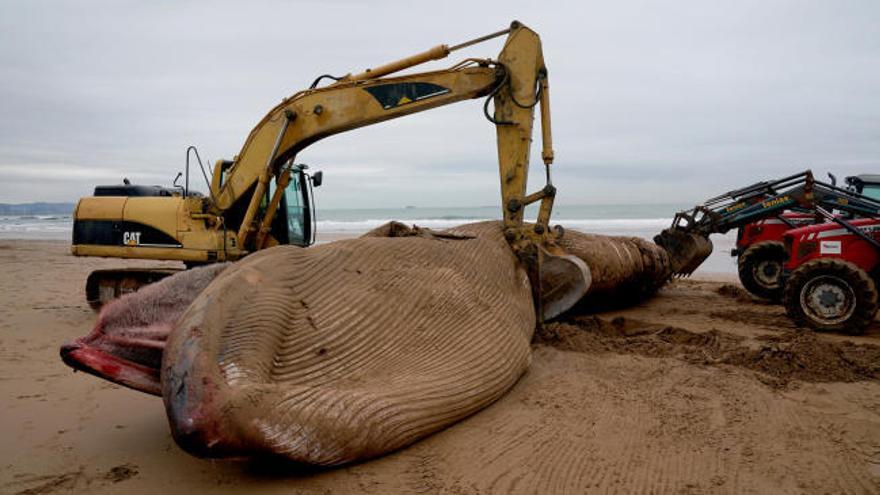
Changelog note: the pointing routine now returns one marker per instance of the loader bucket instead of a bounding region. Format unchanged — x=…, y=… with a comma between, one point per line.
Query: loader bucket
x=565, y=279
x=686, y=251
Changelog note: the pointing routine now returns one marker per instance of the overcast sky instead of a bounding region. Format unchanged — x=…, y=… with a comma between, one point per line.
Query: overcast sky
x=653, y=102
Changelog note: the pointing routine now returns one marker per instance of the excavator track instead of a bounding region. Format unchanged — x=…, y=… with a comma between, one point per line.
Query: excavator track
x=103, y=286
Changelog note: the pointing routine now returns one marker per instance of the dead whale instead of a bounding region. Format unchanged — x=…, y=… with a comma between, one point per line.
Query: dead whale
x=347, y=350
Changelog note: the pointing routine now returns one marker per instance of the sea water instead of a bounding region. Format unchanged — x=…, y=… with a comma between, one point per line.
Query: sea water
x=643, y=221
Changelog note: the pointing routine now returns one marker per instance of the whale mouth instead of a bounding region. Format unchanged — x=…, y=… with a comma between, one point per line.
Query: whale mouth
x=111, y=366
x=128, y=340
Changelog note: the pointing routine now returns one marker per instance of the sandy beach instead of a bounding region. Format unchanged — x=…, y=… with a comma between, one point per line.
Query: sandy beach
x=702, y=389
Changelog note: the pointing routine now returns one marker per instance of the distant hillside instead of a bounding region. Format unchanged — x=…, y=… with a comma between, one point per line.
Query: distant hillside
x=36, y=209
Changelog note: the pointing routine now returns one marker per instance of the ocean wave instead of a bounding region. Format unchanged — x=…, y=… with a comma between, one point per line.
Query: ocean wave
x=365, y=225
x=599, y=224
x=35, y=227
x=453, y=217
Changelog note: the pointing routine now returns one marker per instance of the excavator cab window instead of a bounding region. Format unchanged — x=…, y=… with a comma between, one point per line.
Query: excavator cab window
x=224, y=165
x=297, y=210
x=294, y=221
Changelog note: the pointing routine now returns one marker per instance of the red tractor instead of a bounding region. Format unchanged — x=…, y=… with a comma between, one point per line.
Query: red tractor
x=762, y=213
x=759, y=245
x=832, y=274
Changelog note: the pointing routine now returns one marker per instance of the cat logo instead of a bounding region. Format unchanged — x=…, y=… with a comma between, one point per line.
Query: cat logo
x=131, y=238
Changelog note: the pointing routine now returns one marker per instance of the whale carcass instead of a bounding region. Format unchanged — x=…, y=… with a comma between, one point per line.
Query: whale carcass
x=351, y=349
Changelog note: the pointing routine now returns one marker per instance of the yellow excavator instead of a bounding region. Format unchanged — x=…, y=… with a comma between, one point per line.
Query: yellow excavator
x=262, y=199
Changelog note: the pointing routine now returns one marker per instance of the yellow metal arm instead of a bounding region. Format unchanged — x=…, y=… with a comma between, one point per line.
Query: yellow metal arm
x=517, y=81
x=322, y=112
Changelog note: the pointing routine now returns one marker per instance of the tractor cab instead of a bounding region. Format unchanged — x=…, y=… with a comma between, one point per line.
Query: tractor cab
x=865, y=184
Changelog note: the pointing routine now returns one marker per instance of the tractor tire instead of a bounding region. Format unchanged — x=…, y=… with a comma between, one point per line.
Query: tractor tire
x=760, y=269
x=831, y=294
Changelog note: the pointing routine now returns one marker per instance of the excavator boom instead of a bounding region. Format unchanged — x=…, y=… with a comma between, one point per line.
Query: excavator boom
x=517, y=80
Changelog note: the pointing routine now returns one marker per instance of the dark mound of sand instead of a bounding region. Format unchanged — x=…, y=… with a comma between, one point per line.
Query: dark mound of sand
x=735, y=292
x=804, y=356
x=779, y=359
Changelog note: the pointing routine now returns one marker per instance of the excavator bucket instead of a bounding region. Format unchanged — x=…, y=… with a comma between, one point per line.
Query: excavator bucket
x=686, y=251
x=564, y=280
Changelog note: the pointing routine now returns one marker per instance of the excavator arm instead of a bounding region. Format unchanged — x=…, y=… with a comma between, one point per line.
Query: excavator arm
x=516, y=82
x=311, y=115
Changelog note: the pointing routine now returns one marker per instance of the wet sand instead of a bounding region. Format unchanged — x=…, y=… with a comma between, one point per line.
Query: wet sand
x=699, y=390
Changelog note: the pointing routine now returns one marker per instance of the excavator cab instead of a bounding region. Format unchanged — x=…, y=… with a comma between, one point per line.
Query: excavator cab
x=294, y=223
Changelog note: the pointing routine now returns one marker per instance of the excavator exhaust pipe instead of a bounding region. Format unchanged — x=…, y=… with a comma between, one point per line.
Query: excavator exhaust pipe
x=686, y=251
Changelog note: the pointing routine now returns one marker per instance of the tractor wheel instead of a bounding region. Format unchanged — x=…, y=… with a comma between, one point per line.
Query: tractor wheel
x=831, y=294
x=760, y=269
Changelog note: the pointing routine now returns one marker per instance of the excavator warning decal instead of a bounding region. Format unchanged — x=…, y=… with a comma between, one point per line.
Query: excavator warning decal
x=398, y=94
